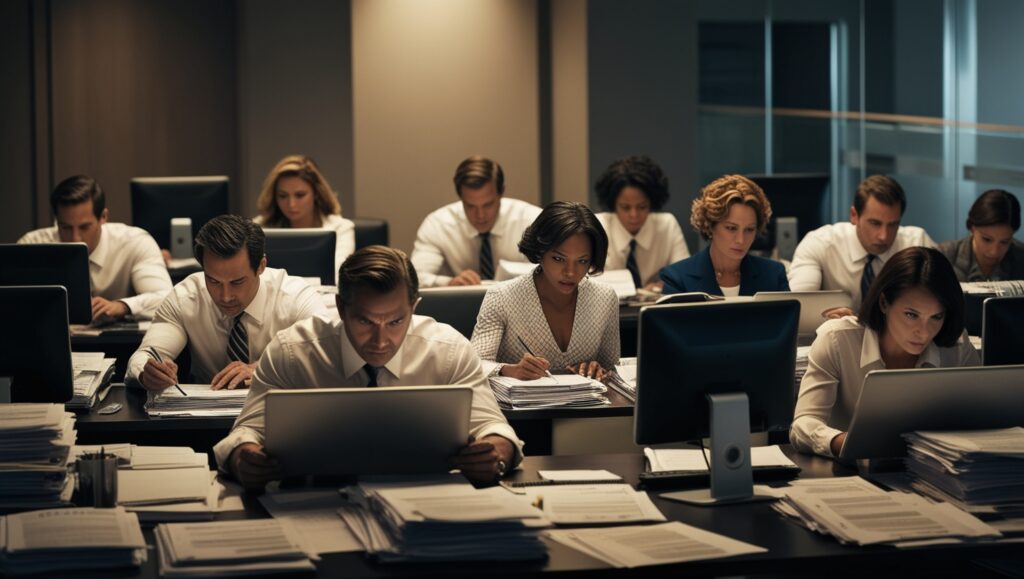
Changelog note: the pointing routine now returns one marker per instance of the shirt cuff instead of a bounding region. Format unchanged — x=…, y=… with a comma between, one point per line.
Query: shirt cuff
x=237, y=437
x=505, y=431
x=822, y=439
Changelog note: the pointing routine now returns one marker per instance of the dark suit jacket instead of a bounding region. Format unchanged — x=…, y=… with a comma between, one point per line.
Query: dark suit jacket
x=696, y=274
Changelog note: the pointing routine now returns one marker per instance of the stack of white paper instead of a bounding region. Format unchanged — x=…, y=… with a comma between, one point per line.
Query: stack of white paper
x=443, y=521
x=802, y=356
x=35, y=442
x=561, y=390
x=636, y=546
x=619, y=280
x=687, y=460
x=593, y=504
x=70, y=539
x=857, y=512
x=200, y=400
x=226, y=548
x=313, y=514
x=92, y=377
x=979, y=471
x=623, y=379
x=1000, y=288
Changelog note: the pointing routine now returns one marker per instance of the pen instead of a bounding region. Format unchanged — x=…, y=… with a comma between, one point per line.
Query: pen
x=528, y=351
x=156, y=355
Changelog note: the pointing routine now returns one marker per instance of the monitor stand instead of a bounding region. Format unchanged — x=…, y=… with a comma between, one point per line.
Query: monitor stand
x=731, y=478
x=5, y=389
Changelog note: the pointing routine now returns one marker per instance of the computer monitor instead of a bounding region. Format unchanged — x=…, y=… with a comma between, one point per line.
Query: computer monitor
x=741, y=357
x=157, y=200
x=800, y=195
x=457, y=306
x=59, y=264
x=36, y=344
x=303, y=252
x=1002, y=331
x=812, y=305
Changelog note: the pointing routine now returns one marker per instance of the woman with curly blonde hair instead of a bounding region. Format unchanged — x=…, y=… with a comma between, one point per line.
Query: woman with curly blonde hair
x=296, y=195
x=731, y=211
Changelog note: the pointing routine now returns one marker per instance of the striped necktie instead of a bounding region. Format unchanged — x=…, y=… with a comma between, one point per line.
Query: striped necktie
x=868, y=276
x=486, y=260
x=631, y=265
x=238, y=342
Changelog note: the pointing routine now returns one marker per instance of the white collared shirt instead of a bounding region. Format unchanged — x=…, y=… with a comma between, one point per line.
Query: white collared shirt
x=126, y=265
x=659, y=243
x=190, y=316
x=344, y=246
x=511, y=315
x=316, y=353
x=841, y=356
x=832, y=258
x=447, y=243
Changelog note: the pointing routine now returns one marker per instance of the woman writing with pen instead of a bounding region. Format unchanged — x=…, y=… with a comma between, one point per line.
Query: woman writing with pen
x=555, y=317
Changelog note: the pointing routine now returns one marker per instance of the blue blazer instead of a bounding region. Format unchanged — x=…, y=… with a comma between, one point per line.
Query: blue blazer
x=696, y=274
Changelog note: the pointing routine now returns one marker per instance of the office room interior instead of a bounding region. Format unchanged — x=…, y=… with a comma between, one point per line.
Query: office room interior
x=389, y=96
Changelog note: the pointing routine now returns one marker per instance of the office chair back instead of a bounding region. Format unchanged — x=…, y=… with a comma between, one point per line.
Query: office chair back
x=455, y=306
x=370, y=231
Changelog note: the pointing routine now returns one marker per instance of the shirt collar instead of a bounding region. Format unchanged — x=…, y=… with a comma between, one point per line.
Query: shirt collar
x=857, y=251
x=352, y=362
x=871, y=353
x=644, y=237
x=99, y=255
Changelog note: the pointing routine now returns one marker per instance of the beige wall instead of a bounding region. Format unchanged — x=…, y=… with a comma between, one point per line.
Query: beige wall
x=569, y=151
x=435, y=82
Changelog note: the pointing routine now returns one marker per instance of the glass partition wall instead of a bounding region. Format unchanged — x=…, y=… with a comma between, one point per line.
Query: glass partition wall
x=926, y=91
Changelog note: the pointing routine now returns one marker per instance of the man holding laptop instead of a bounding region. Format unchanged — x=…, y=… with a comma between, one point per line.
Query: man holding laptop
x=377, y=342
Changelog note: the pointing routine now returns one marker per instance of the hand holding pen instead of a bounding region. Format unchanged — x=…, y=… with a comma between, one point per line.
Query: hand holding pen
x=158, y=375
x=530, y=367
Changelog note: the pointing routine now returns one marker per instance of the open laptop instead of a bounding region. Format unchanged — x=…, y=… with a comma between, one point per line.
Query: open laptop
x=897, y=401
x=812, y=304
x=367, y=431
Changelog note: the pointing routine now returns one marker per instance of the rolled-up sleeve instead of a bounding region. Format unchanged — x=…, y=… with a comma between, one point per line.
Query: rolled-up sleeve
x=805, y=271
x=166, y=335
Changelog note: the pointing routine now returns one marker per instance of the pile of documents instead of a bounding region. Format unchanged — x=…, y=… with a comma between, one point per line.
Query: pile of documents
x=558, y=390
x=70, y=539
x=168, y=483
x=1000, y=288
x=313, y=515
x=92, y=378
x=197, y=400
x=623, y=379
x=981, y=472
x=693, y=460
x=640, y=545
x=857, y=512
x=802, y=353
x=241, y=548
x=443, y=520
x=35, y=442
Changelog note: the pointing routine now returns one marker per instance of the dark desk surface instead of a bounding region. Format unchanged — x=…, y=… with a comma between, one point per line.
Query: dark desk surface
x=132, y=424
x=791, y=549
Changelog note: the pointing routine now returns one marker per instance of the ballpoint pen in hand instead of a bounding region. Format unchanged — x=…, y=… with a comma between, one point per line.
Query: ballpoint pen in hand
x=527, y=348
x=156, y=355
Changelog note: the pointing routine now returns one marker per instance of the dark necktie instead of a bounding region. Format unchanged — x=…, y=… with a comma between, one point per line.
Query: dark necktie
x=372, y=373
x=238, y=342
x=868, y=276
x=486, y=260
x=631, y=265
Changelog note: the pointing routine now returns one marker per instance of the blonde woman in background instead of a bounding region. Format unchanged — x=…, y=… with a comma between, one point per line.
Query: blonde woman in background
x=296, y=195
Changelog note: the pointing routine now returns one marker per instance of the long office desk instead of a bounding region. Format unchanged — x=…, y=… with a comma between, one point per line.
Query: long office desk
x=132, y=424
x=791, y=549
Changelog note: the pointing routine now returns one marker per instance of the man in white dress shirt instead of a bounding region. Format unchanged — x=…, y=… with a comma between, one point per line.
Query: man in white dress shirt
x=847, y=256
x=377, y=342
x=462, y=242
x=226, y=314
x=126, y=271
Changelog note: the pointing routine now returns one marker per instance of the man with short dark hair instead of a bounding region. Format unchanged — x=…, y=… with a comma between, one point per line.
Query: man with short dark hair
x=463, y=242
x=126, y=271
x=226, y=314
x=846, y=256
x=377, y=342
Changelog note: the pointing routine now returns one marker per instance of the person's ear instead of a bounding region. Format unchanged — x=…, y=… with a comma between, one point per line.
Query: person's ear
x=262, y=267
x=883, y=304
x=853, y=215
x=414, y=304
x=104, y=216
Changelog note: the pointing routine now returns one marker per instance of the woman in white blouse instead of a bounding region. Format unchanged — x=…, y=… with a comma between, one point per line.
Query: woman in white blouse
x=632, y=192
x=912, y=317
x=295, y=194
x=554, y=317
